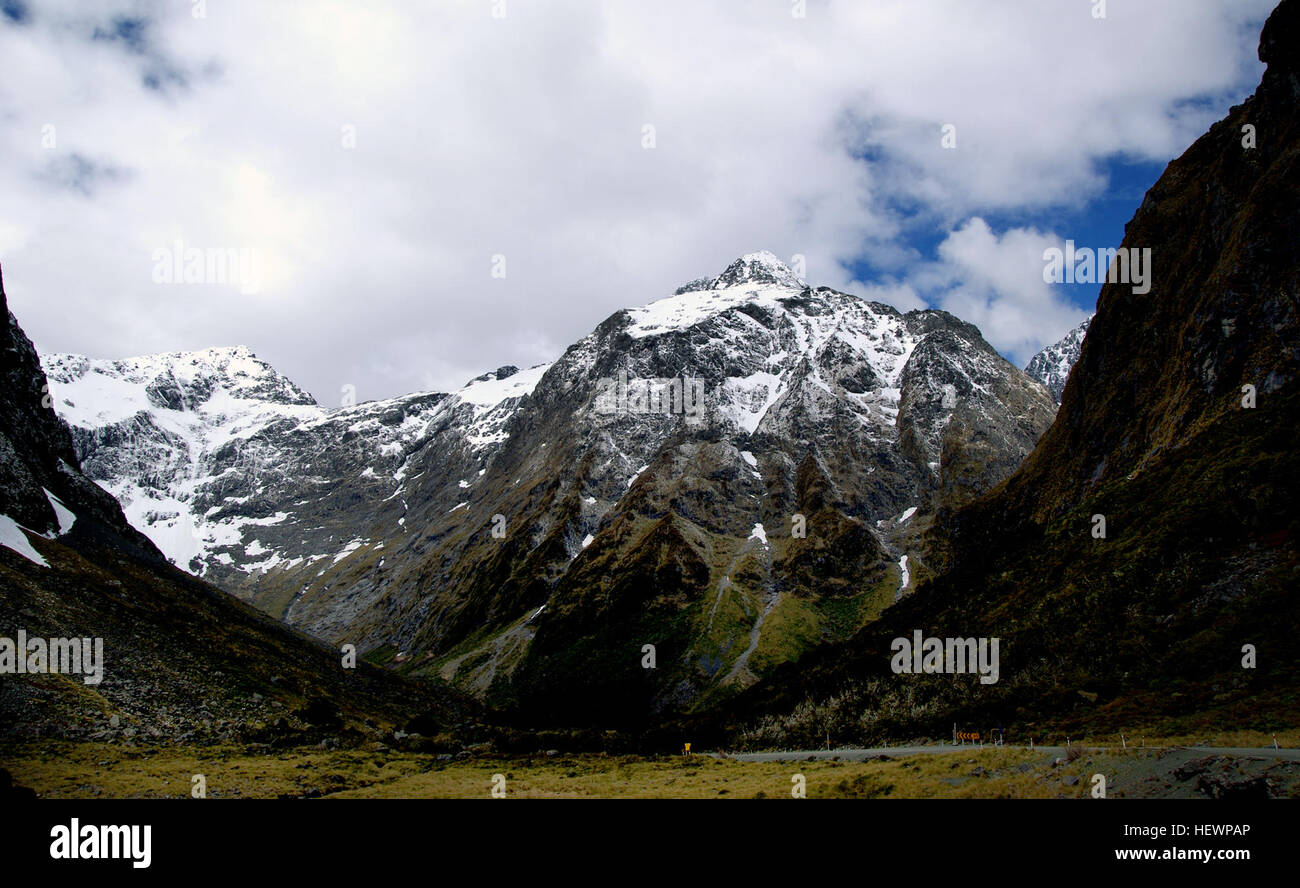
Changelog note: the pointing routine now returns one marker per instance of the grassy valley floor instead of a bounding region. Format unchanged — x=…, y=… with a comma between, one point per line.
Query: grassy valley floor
x=98, y=770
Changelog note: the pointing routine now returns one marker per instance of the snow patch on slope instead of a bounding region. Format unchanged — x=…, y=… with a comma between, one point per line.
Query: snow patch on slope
x=62, y=512
x=13, y=537
x=491, y=392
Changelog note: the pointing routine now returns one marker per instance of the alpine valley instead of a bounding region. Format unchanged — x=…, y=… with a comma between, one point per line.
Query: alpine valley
x=710, y=517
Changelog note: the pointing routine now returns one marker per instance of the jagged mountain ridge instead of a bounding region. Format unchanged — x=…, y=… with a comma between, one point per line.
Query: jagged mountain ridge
x=860, y=419
x=1053, y=364
x=231, y=469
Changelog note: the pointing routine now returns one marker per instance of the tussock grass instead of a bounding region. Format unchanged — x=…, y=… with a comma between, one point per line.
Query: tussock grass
x=83, y=770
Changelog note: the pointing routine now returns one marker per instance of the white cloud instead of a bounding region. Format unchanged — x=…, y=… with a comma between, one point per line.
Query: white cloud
x=996, y=283
x=477, y=136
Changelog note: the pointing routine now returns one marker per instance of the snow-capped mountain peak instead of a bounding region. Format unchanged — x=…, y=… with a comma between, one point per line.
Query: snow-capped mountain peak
x=755, y=278
x=1052, y=365
x=110, y=390
x=762, y=268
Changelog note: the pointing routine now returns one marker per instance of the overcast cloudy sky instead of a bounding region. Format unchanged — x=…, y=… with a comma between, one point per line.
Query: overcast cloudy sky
x=378, y=155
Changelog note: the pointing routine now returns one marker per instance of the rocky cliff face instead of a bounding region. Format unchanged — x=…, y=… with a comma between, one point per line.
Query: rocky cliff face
x=1177, y=428
x=1053, y=364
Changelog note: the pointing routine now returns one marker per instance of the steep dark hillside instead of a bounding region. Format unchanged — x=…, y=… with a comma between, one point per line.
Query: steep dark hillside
x=1199, y=490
